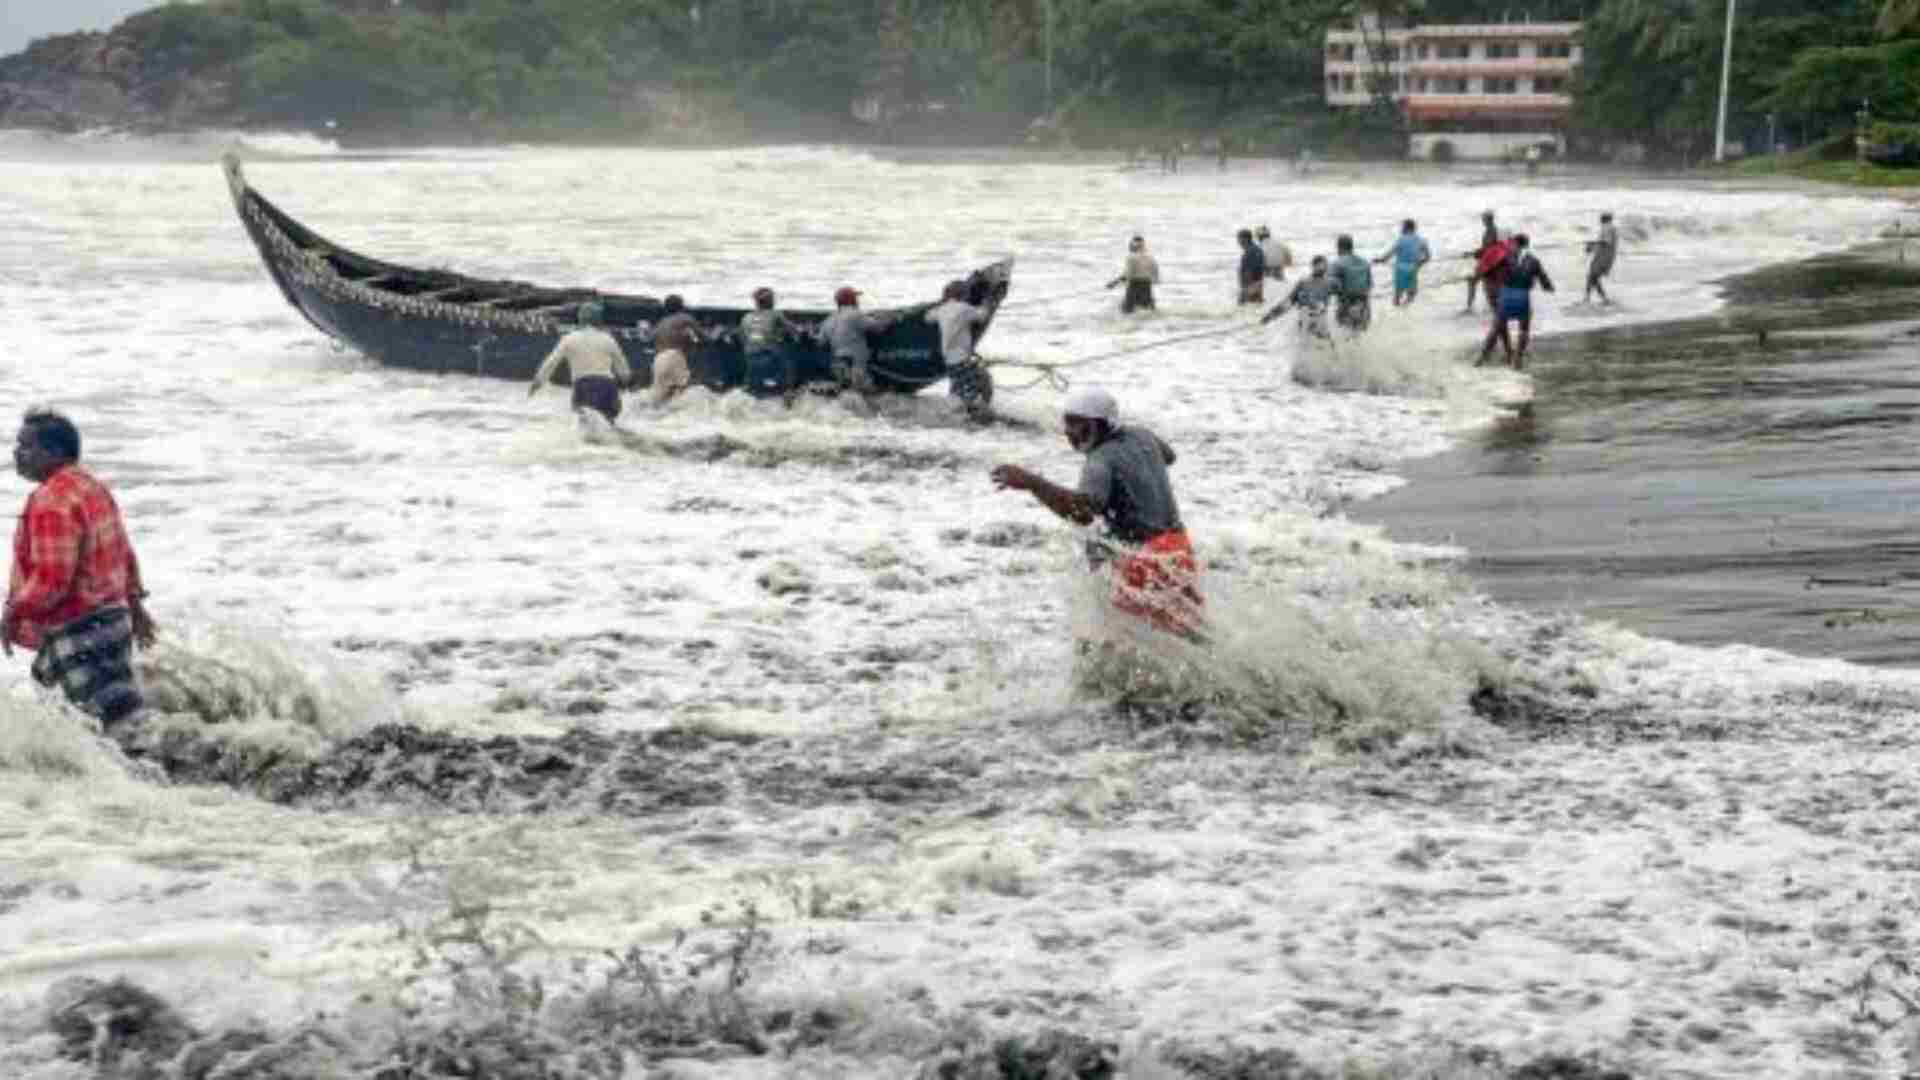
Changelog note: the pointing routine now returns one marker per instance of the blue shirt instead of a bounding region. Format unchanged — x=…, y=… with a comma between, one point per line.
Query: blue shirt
x=1410, y=251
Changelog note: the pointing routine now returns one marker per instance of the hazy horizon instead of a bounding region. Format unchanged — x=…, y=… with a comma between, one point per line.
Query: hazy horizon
x=21, y=21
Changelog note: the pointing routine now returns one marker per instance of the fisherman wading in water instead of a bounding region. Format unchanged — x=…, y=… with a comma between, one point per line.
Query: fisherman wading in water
x=766, y=333
x=1602, y=250
x=673, y=343
x=1409, y=253
x=846, y=332
x=75, y=596
x=1310, y=295
x=1125, y=484
x=1140, y=272
x=595, y=361
x=1489, y=239
x=1352, y=287
x=1522, y=272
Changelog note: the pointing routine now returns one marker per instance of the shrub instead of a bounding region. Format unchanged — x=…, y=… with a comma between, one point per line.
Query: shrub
x=1442, y=152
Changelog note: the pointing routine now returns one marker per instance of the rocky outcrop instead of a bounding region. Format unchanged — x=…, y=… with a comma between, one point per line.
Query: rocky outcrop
x=74, y=82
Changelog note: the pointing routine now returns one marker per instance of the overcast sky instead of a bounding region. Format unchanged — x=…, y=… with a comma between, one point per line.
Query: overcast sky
x=23, y=20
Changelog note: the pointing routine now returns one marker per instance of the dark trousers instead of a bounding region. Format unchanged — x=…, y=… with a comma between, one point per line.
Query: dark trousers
x=771, y=372
x=1139, y=295
x=599, y=393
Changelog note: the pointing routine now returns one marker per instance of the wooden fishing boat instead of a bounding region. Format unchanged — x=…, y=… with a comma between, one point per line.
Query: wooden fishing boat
x=441, y=321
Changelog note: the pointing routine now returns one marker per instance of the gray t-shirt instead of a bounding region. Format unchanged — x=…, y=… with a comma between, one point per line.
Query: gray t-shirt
x=846, y=332
x=1126, y=479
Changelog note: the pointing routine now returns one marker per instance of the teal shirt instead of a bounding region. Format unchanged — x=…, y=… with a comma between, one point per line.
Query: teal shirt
x=1351, y=275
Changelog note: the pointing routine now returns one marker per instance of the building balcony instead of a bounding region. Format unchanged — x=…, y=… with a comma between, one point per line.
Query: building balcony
x=1557, y=66
x=1446, y=106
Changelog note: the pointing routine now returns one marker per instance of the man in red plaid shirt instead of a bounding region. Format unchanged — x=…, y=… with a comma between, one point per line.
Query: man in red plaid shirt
x=75, y=594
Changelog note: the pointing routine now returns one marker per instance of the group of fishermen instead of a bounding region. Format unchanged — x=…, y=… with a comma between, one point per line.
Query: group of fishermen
x=1124, y=482
x=599, y=369
x=76, y=596
x=1504, y=266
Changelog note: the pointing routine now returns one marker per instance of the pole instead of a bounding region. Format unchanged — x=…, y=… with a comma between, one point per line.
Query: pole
x=1726, y=75
x=1049, y=57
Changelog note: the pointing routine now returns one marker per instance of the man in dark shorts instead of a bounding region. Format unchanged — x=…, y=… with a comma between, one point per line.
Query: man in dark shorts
x=1125, y=484
x=595, y=362
x=1522, y=272
x=1253, y=270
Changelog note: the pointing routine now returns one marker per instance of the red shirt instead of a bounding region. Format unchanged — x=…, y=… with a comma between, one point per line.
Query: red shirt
x=71, y=555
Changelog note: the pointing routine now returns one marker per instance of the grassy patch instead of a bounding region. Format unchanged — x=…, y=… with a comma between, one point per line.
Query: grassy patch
x=1809, y=167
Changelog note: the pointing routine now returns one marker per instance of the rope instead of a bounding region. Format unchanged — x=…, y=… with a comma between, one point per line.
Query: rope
x=1050, y=371
x=1034, y=301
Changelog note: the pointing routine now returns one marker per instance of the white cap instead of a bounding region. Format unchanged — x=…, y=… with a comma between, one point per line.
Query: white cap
x=1092, y=403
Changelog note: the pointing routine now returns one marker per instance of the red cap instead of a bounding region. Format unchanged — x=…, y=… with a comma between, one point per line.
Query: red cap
x=846, y=294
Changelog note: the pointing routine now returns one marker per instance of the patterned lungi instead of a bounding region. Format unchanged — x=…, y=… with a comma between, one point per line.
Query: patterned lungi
x=1157, y=582
x=91, y=660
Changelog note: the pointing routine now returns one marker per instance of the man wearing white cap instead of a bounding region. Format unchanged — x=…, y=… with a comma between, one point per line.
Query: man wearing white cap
x=1125, y=483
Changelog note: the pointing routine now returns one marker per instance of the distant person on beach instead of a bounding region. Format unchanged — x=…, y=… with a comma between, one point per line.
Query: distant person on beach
x=846, y=332
x=1310, y=297
x=766, y=333
x=1276, y=252
x=1523, y=272
x=1139, y=273
x=1489, y=238
x=594, y=360
x=673, y=343
x=1602, y=251
x=1409, y=253
x=1125, y=485
x=1533, y=160
x=1253, y=269
x=1352, y=286
x=75, y=595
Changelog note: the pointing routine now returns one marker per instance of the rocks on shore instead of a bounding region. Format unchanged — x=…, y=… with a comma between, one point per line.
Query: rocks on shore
x=77, y=82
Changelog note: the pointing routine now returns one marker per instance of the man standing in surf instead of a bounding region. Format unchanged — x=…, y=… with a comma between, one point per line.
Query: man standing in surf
x=1124, y=483
x=75, y=595
x=1602, y=251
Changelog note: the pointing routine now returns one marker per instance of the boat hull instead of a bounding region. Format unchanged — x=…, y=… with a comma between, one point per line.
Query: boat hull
x=448, y=323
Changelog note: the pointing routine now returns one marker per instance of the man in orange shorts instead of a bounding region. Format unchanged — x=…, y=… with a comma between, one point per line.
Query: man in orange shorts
x=1125, y=483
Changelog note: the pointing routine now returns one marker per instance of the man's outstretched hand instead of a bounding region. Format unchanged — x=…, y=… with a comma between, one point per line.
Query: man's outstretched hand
x=1012, y=478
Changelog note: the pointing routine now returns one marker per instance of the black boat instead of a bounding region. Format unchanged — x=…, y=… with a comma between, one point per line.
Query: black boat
x=440, y=321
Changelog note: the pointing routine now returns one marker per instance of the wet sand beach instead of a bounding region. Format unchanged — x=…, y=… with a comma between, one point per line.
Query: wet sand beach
x=1751, y=476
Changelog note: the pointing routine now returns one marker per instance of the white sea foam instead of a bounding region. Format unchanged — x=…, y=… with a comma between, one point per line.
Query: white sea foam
x=443, y=550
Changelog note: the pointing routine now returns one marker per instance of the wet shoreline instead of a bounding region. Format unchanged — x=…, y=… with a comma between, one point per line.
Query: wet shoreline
x=1735, y=478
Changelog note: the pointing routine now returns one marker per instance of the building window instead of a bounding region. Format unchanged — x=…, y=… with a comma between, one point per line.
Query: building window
x=1347, y=83
x=1420, y=53
x=1554, y=50
x=1340, y=53
x=1450, y=85
x=1391, y=54
x=1453, y=50
x=1503, y=50
x=1500, y=86
x=1420, y=85
x=1546, y=84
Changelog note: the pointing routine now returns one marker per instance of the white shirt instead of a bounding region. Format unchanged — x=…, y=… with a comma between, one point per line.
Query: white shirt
x=586, y=351
x=957, y=319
